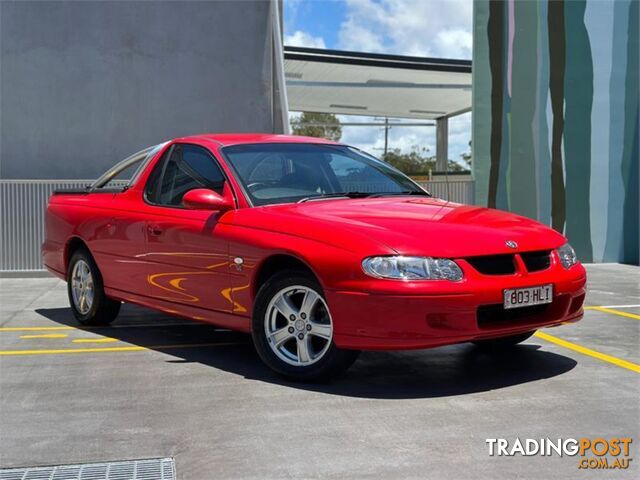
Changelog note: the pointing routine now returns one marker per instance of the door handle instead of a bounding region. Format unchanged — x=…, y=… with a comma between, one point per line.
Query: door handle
x=154, y=230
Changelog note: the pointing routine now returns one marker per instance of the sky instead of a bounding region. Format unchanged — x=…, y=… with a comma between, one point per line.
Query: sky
x=430, y=28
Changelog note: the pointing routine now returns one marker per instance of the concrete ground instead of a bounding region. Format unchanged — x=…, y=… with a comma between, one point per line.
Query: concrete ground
x=141, y=389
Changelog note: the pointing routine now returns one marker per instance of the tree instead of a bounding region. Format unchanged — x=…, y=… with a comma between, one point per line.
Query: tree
x=319, y=125
x=416, y=162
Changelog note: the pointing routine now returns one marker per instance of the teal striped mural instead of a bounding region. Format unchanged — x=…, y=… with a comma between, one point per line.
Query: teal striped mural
x=555, y=118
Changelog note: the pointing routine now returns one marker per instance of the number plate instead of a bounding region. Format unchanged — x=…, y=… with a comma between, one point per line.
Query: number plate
x=526, y=297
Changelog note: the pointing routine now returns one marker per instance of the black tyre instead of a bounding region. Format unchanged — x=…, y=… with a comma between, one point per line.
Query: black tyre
x=88, y=302
x=496, y=344
x=293, y=330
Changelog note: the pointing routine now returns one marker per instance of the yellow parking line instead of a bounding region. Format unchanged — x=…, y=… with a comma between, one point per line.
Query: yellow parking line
x=131, y=348
x=46, y=335
x=71, y=350
x=94, y=340
x=620, y=306
x=615, y=312
x=634, y=367
x=79, y=327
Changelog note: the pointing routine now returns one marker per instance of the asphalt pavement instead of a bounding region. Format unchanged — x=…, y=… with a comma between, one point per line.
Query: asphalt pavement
x=158, y=386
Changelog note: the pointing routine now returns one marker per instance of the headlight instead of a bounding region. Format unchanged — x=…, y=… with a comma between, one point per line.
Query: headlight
x=567, y=256
x=412, y=268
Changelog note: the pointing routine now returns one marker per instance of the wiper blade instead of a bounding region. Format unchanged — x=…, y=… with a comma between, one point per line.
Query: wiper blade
x=323, y=196
x=409, y=192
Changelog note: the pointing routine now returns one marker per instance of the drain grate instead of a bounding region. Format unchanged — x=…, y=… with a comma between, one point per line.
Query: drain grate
x=145, y=469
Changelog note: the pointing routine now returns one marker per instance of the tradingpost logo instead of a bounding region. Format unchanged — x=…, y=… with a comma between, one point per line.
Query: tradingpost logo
x=594, y=453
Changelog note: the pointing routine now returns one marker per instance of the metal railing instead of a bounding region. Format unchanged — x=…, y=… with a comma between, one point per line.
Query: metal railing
x=22, y=207
x=23, y=203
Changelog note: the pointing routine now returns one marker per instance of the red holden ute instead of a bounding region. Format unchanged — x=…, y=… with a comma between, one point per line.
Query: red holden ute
x=317, y=249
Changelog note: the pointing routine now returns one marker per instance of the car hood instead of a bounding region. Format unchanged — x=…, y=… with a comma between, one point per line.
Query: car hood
x=406, y=225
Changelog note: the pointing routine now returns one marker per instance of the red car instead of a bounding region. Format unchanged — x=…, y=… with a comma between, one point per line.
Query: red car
x=316, y=248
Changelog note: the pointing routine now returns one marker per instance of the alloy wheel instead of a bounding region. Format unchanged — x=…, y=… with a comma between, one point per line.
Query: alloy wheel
x=82, y=288
x=298, y=325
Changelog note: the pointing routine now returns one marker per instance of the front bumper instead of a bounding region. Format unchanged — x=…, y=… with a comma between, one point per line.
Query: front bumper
x=429, y=314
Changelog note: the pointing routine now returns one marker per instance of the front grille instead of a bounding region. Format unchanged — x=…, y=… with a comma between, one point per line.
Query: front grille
x=506, y=265
x=493, y=264
x=536, y=261
x=495, y=316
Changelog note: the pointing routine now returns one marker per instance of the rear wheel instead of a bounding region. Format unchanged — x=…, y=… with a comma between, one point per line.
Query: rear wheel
x=293, y=329
x=88, y=301
x=503, y=343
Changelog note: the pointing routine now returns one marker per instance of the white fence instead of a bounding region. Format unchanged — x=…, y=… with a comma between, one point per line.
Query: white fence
x=23, y=202
x=459, y=191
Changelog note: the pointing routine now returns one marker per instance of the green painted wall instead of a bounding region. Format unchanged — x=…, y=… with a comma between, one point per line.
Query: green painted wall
x=555, y=118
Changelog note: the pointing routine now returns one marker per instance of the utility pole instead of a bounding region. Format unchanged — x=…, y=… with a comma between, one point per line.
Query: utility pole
x=386, y=135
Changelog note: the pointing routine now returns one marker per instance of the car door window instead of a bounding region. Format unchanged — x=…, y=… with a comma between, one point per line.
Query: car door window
x=186, y=168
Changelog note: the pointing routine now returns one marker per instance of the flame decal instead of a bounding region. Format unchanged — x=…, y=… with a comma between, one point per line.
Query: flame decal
x=177, y=291
x=227, y=292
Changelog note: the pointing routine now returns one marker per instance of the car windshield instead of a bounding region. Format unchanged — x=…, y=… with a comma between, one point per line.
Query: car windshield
x=293, y=172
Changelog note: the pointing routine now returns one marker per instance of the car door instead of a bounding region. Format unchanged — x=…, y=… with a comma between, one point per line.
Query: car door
x=187, y=257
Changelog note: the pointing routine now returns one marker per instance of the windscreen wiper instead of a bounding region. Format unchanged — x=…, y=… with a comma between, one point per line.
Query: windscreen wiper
x=323, y=196
x=408, y=192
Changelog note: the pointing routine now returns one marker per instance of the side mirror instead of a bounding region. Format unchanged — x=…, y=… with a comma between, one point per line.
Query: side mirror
x=205, y=199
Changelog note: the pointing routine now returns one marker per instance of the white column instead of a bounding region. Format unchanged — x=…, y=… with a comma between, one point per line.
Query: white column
x=442, y=143
x=280, y=88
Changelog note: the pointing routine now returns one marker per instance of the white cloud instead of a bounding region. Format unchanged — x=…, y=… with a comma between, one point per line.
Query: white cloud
x=354, y=35
x=456, y=41
x=436, y=28
x=304, y=39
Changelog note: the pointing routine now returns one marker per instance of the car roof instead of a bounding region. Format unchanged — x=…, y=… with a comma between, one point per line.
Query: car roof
x=226, y=139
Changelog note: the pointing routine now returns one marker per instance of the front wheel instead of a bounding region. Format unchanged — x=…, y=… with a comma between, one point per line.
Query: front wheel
x=88, y=301
x=293, y=329
x=496, y=344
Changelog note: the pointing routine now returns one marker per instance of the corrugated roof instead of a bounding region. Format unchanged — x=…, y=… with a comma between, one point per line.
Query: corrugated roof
x=371, y=84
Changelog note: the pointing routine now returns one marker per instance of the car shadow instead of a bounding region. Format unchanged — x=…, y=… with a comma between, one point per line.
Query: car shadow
x=438, y=372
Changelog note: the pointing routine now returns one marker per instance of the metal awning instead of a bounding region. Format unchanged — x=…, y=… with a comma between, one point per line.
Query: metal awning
x=353, y=83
